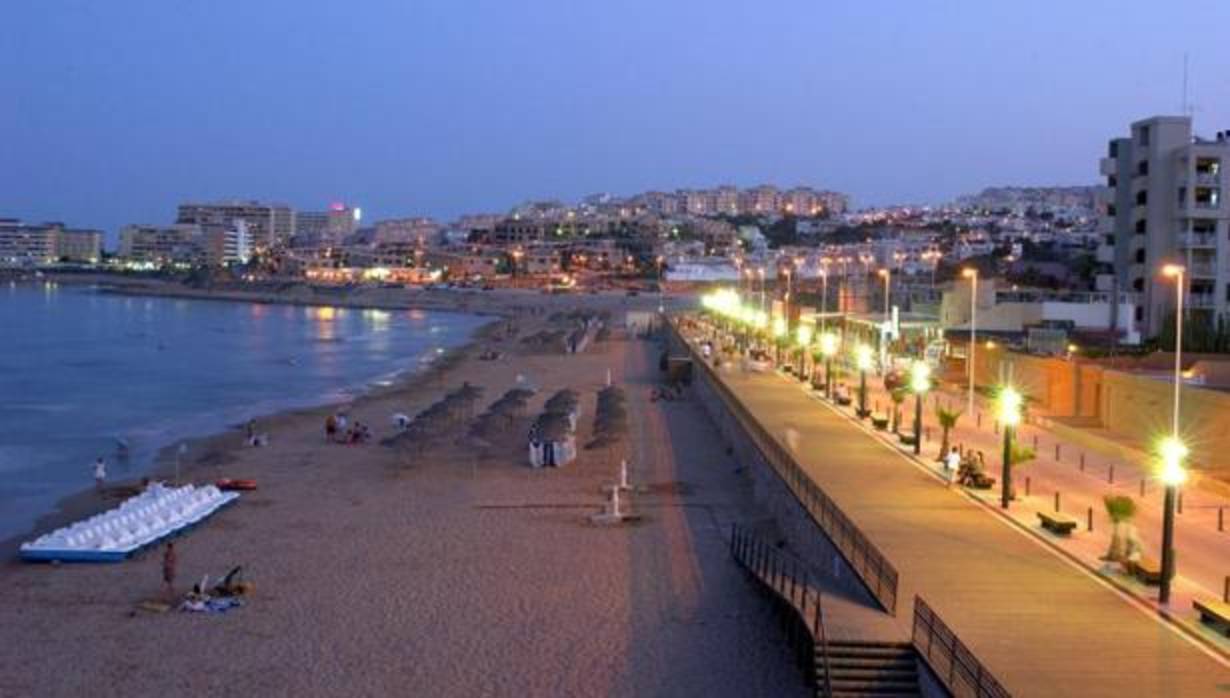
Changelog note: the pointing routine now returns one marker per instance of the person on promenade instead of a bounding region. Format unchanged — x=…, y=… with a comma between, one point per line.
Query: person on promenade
x=100, y=473
x=952, y=465
x=169, y=564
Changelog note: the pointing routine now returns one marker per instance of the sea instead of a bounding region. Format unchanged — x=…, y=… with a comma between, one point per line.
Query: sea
x=82, y=371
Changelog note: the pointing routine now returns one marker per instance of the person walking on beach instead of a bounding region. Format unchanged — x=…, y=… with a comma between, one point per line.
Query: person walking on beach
x=330, y=428
x=100, y=473
x=169, y=563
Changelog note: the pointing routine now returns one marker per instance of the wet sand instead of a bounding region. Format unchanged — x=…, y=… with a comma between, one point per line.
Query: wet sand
x=456, y=570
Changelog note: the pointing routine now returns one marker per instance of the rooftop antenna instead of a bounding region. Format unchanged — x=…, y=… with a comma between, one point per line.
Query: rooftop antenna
x=1185, y=107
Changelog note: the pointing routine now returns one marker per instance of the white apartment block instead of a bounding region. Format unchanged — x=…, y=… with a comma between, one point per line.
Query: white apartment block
x=268, y=225
x=28, y=245
x=1164, y=203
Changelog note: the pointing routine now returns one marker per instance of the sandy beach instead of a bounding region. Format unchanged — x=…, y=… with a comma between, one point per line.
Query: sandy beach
x=451, y=570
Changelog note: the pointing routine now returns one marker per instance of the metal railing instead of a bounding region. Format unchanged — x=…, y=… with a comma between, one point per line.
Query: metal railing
x=875, y=571
x=951, y=661
x=791, y=583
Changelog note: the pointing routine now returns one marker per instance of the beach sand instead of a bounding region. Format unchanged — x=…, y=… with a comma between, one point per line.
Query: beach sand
x=455, y=571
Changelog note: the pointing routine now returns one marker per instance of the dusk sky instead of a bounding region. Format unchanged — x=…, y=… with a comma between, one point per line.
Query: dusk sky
x=115, y=111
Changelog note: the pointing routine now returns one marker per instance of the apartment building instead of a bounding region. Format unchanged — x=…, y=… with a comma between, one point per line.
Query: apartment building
x=28, y=245
x=268, y=225
x=1164, y=203
x=161, y=244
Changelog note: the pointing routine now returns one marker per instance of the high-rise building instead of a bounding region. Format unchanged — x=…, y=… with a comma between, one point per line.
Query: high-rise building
x=1163, y=204
x=268, y=225
x=78, y=245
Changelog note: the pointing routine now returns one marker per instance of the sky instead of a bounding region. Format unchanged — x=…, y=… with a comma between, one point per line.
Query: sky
x=113, y=112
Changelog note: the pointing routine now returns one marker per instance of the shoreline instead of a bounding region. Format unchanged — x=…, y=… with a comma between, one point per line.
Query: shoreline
x=217, y=448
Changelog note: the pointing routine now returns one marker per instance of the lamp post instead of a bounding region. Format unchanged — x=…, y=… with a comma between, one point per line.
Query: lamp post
x=920, y=383
x=661, y=303
x=804, y=333
x=828, y=347
x=1173, y=451
x=1009, y=416
x=862, y=359
x=824, y=293
x=760, y=271
x=971, y=274
x=789, y=289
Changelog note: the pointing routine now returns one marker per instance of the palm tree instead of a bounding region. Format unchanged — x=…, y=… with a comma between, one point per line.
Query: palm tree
x=898, y=396
x=948, y=421
x=1121, y=510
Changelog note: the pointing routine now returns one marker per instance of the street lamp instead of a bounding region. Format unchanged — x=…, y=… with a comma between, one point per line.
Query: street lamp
x=804, y=334
x=920, y=383
x=862, y=360
x=661, y=304
x=972, y=274
x=1176, y=272
x=1173, y=451
x=1010, y=402
x=887, y=275
x=760, y=271
x=828, y=347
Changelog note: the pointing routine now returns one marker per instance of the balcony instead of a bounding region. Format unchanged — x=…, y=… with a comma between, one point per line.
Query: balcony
x=1201, y=300
x=1208, y=179
x=1197, y=241
x=1109, y=167
x=1203, y=270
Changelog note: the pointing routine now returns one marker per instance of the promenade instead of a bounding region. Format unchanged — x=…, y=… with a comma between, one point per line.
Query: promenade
x=1040, y=623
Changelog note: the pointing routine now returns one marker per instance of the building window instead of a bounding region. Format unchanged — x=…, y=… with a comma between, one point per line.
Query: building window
x=1208, y=197
x=1182, y=195
x=1142, y=198
x=1113, y=149
x=1140, y=314
x=1138, y=284
x=1144, y=136
x=1208, y=166
x=1140, y=256
x=1112, y=181
x=1142, y=168
x=1204, y=225
x=1140, y=227
x=1110, y=209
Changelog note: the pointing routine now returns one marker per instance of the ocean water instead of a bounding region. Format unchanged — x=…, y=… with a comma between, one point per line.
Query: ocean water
x=80, y=369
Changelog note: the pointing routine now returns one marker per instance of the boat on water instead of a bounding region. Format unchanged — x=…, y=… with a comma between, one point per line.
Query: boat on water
x=139, y=521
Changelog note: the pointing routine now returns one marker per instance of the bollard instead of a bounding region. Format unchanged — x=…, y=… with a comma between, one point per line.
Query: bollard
x=1221, y=519
x=1082, y=462
x=1110, y=475
x=1027, y=483
x=1056, y=501
x=1035, y=443
x=1180, y=508
x=1142, y=487
x=1056, y=453
x=1089, y=525
x=1225, y=592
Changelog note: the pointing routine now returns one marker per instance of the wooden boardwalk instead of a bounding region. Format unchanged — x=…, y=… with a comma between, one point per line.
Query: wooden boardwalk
x=1043, y=626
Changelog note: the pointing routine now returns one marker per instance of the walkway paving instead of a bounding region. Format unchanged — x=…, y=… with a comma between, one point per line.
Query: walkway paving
x=1042, y=625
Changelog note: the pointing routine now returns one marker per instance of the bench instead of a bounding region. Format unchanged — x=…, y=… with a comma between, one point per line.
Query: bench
x=1214, y=613
x=1057, y=523
x=880, y=423
x=906, y=439
x=1147, y=570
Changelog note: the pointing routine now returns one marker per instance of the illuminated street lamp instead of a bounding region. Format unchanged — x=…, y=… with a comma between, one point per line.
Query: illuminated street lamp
x=828, y=348
x=1010, y=402
x=804, y=334
x=971, y=274
x=661, y=305
x=1176, y=272
x=760, y=271
x=920, y=383
x=862, y=360
x=1172, y=451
